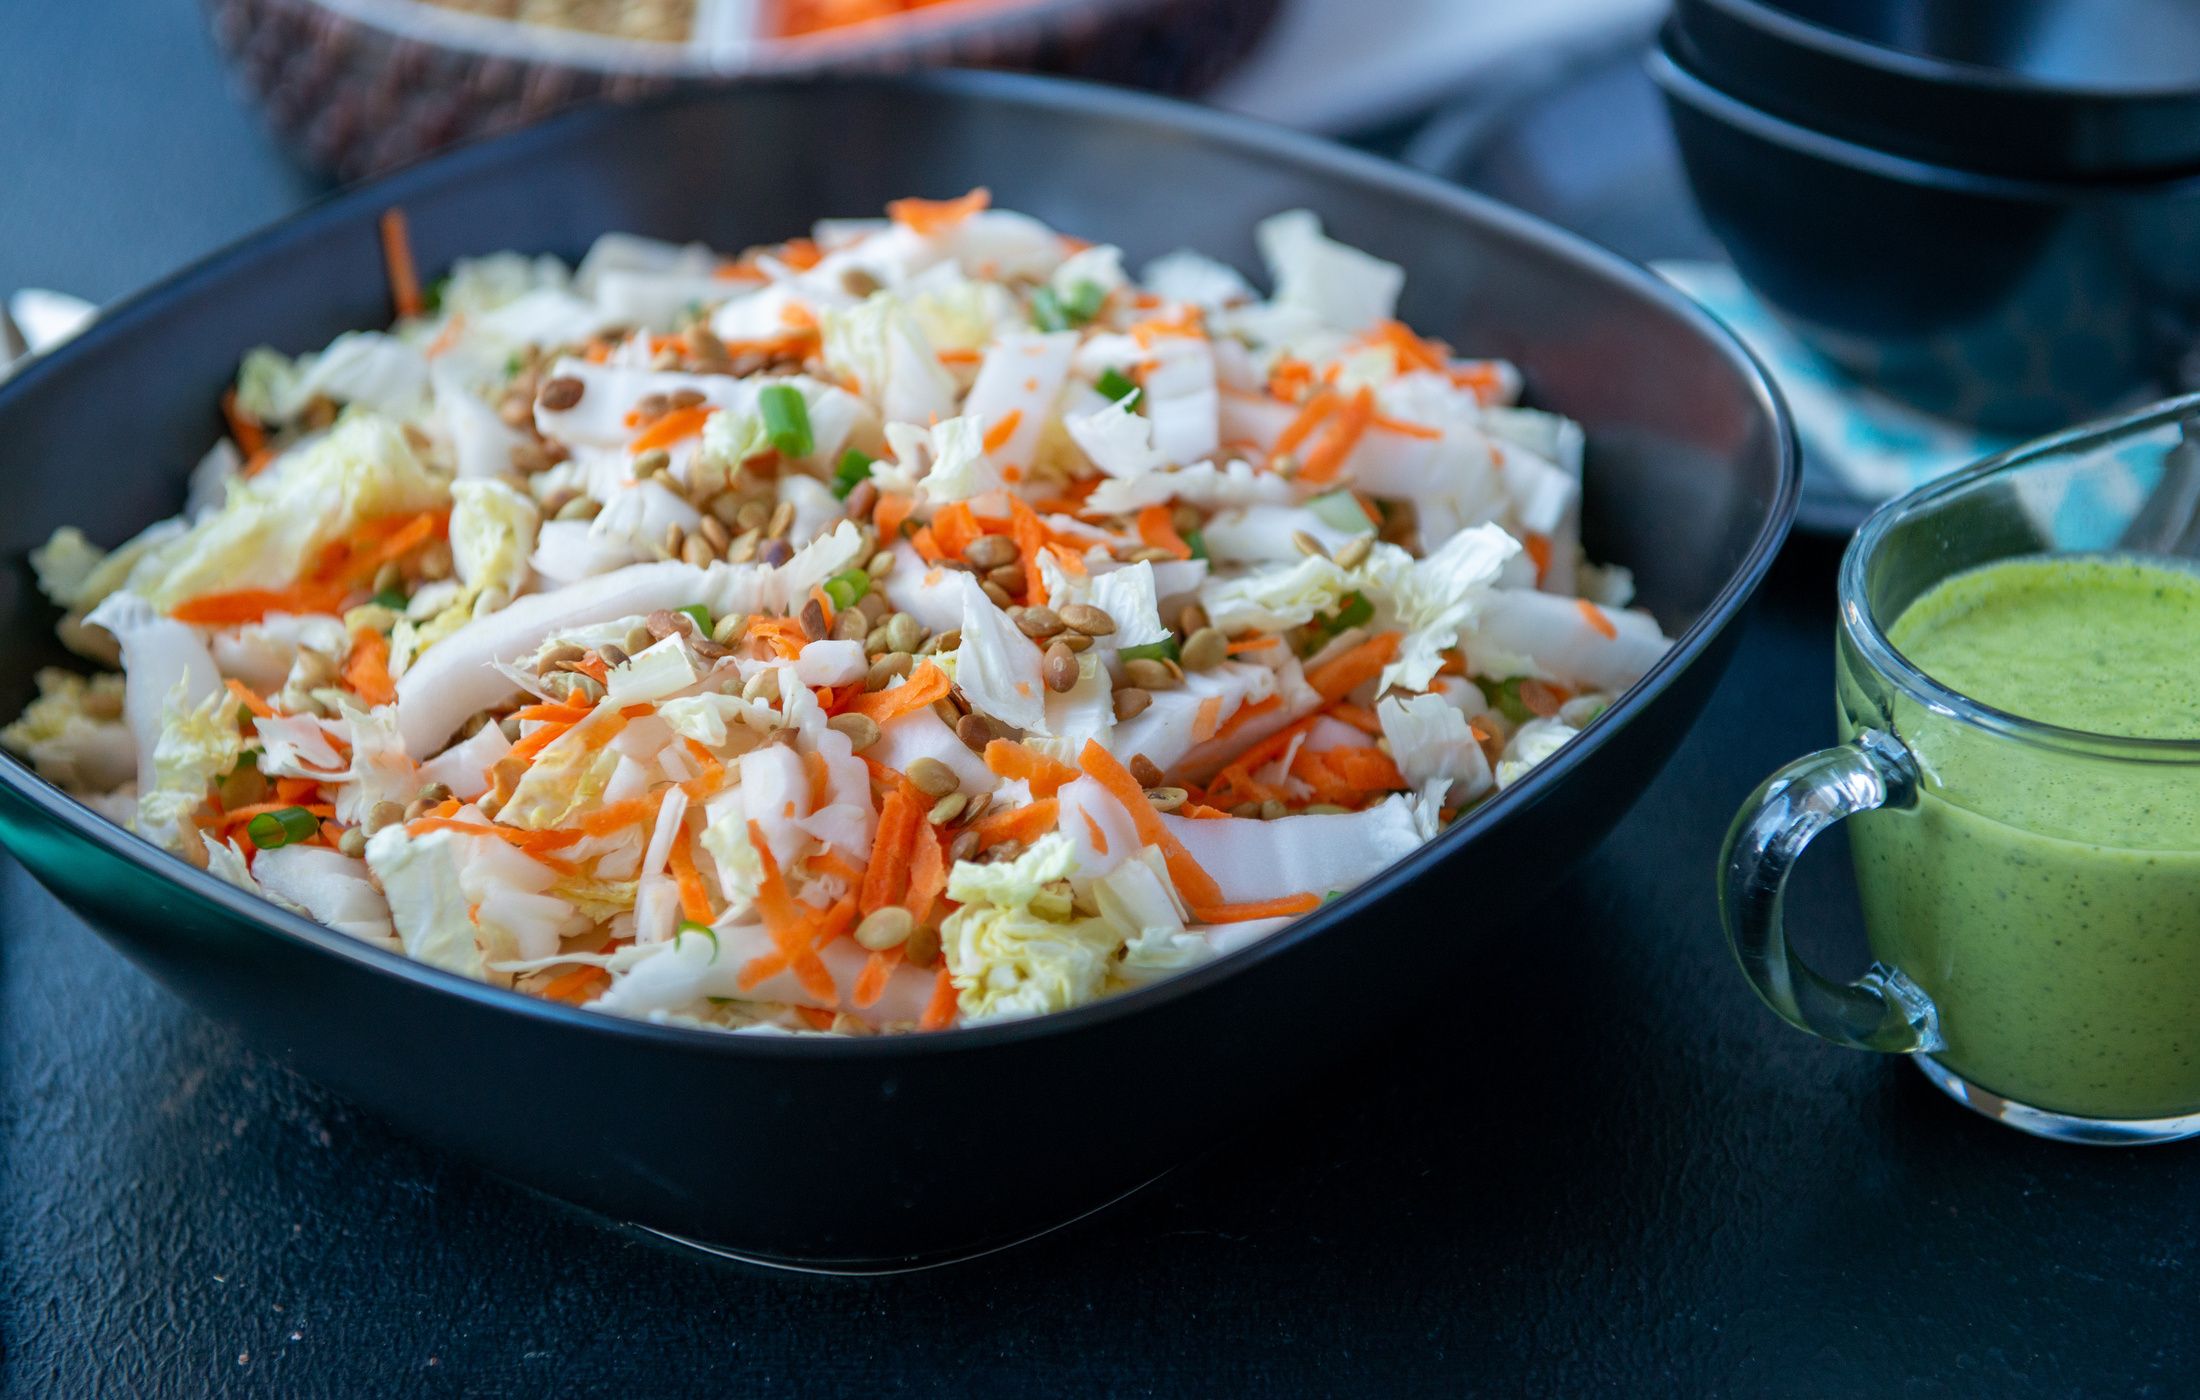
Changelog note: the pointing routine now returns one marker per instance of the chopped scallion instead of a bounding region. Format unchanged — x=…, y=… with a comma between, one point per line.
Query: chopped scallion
x=847, y=589
x=1116, y=386
x=1047, y=311
x=1051, y=311
x=1194, y=540
x=1163, y=650
x=688, y=926
x=1341, y=510
x=786, y=420
x=701, y=615
x=854, y=467
x=1084, y=302
x=391, y=598
x=269, y=830
x=1505, y=698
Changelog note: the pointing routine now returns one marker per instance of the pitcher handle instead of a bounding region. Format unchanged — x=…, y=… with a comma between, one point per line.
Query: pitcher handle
x=1882, y=1010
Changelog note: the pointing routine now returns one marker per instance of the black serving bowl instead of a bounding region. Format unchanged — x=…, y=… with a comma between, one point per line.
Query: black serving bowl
x=2015, y=304
x=888, y=1151
x=2049, y=89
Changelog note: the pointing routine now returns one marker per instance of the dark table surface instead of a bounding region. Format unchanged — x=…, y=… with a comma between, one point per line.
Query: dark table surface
x=1610, y=1170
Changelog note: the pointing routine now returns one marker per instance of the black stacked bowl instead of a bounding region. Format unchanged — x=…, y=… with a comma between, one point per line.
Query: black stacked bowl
x=1989, y=210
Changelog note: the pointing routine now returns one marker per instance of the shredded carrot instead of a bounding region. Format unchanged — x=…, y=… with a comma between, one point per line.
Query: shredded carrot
x=932, y=217
x=1092, y=828
x=833, y=863
x=939, y=1012
x=1539, y=554
x=710, y=778
x=694, y=898
x=367, y=670
x=533, y=843
x=887, y=874
x=1327, y=456
x=1030, y=534
x=1405, y=429
x=244, y=429
x=240, y=605
x=888, y=515
x=612, y=816
x=790, y=929
x=1194, y=883
x=1157, y=528
x=1347, y=776
x=397, y=256
x=1541, y=699
x=1339, y=676
x=576, y=986
x=1596, y=619
x=784, y=635
x=1200, y=811
x=1207, y=720
x=297, y=790
x=1358, y=716
x=570, y=713
x=1412, y=351
x=1302, y=427
x=927, y=871
x=1011, y=760
x=871, y=982
x=1026, y=823
x=1289, y=379
x=249, y=698
x=538, y=740
x=1246, y=644
x=997, y=436
x=925, y=685
x=675, y=426
x=1290, y=905
x=1247, y=713
x=958, y=357
x=927, y=547
x=956, y=528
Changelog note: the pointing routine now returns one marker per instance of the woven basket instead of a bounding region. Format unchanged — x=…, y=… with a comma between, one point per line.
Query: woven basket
x=358, y=86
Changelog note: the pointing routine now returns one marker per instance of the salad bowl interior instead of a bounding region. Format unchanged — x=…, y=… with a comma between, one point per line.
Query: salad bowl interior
x=888, y=1151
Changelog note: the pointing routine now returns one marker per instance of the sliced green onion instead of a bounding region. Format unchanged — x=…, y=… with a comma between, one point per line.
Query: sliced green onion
x=1196, y=541
x=245, y=718
x=1505, y=698
x=1163, y=650
x=431, y=300
x=786, y=420
x=701, y=615
x=1333, y=894
x=847, y=589
x=1341, y=510
x=1356, y=612
x=271, y=829
x=688, y=926
x=1084, y=302
x=247, y=762
x=391, y=598
x=1047, y=311
x=1116, y=386
x=854, y=467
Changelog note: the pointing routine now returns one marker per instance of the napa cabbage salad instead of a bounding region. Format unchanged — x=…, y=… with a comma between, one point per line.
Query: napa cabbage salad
x=913, y=625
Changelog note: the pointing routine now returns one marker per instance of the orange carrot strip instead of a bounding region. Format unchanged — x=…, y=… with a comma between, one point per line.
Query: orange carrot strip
x=939, y=1012
x=1404, y=429
x=888, y=515
x=607, y=819
x=1300, y=428
x=1327, y=456
x=1539, y=554
x=1358, y=716
x=955, y=528
x=538, y=740
x=1202, y=812
x=837, y=865
x=1157, y=528
x=887, y=874
x=927, y=872
x=1030, y=534
x=296, y=790
x=1092, y=829
x=576, y=986
x=1194, y=883
x=1027, y=823
x=958, y=357
x=570, y=713
x=1246, y=714
x=925, y=684
x=1339, y=676
x=397, y=257
x=932, y=217
x=1246, y=644
x=239, y=605
x=1012, y=760
x=367, y=670
x=997, y=436
x=244, y=429
x=679, y=424
x=788, y=926
x=1291, y=904
x=871, y=982
x=694, y=898
x=926, y=546
x=1596, y=619
x=249, y=698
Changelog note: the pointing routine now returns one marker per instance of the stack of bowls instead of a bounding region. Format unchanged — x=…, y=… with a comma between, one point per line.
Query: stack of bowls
x=1987, y=208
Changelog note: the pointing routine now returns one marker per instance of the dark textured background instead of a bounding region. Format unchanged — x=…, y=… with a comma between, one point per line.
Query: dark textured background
x=1602, y=1168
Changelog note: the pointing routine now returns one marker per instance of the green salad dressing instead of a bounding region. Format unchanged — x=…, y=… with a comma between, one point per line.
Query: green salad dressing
x=2047, y=898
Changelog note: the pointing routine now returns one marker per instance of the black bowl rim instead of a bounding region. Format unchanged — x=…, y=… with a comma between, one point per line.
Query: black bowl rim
x=1798, y=32
x=914, y=37
x=1007, y=92
x=1681, y=82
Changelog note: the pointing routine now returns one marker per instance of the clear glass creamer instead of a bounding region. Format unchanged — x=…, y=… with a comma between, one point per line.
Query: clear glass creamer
x=2031, y=892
